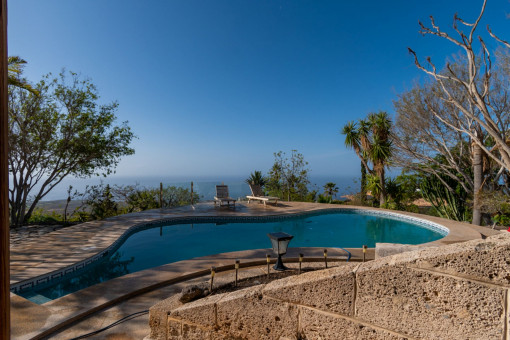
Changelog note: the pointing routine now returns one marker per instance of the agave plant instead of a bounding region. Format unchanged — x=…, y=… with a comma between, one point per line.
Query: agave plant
x=450, y=204
x=256, y=178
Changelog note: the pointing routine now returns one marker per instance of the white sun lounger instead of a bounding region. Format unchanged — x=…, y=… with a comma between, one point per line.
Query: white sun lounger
x=258, y=195
x=222, y=196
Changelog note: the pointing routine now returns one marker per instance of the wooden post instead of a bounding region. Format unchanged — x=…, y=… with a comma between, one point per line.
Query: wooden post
x=191, y=192
x=236, y=266
x=161, y=195
x=326, y=258
x=5, y=299
x=268, y=260
x=213, y=271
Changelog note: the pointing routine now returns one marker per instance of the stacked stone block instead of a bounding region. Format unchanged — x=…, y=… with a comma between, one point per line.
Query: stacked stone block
x=458, y=291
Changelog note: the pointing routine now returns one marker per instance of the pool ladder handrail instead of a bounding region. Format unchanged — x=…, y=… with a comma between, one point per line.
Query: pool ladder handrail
x=348, y=254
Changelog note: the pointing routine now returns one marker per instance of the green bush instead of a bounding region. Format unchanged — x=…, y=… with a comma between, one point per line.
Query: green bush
x=323, y=199
x=338, y=202
x=101, y=201
x=105, y=201
x=412, y=208
x=40, y=217
x=79, y=216
x=501, y=219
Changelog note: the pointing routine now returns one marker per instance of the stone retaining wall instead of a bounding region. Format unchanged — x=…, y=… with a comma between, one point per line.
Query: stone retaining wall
x=458, y=291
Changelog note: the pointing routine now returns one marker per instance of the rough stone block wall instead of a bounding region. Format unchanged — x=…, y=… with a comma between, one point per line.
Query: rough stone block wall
x=458, y=291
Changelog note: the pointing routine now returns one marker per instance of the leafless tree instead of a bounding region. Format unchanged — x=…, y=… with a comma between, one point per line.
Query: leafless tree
x=425, y=143
x=479, y=115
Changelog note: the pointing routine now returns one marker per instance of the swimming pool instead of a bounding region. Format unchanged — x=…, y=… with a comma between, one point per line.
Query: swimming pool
x=150, y=246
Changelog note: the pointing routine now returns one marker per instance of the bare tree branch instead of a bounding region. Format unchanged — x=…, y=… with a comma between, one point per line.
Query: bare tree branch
x=504, y=42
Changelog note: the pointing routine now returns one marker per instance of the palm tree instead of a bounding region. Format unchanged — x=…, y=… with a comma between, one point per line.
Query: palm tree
x=330, y=189
x=15, y=67
x=256, y=178
x=364, y=133
x=381, y=147
x=357, y=139
x=372, y=143
x=364, y=136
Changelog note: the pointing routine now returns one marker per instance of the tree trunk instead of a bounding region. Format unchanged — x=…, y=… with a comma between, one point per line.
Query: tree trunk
x=17, y=213
x=65, y=209
x=363, y=191
x=28, y=214
x=477, y=182
x=382, y=196
x=18, y=207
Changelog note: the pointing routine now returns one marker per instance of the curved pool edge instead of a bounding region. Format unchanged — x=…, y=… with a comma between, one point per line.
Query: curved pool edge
x=86, y=251
x=458, y=231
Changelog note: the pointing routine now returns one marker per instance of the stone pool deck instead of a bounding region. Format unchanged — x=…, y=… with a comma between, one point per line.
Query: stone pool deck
x=60, y=249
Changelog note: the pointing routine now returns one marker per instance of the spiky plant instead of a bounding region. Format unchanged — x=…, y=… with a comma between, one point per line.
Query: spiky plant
x=255, y=178
x=15, y=67
x=330, y=189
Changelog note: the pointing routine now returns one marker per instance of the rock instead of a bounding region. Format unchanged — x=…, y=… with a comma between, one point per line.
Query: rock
x=191, y=293
x=389, y=249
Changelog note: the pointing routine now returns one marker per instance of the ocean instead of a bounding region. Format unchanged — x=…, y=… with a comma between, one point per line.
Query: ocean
x=205, y=187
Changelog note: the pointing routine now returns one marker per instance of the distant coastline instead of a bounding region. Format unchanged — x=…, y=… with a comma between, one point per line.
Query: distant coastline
x=205, y=187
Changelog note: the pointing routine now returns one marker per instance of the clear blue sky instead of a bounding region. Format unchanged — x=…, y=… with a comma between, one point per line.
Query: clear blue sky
x=213, y=88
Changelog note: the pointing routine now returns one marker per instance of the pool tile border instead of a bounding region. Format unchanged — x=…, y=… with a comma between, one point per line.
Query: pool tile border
x=419, y=221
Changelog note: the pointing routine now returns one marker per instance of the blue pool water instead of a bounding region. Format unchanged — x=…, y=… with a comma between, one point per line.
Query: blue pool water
x=161, y=244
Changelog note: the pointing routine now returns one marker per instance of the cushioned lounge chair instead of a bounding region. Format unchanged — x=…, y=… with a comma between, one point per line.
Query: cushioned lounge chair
x=222, y=196
x=258, y=195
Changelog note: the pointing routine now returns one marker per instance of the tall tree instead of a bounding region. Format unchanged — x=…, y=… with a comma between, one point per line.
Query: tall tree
x=364, y=130
x=289, y=176
x=476, y=81
x=425, y=143
x=381, y=147
x=372, y=142
x=354, y=137
x=61, y=131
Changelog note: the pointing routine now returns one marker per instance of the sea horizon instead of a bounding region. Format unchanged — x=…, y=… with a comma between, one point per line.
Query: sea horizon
x=204, y=186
